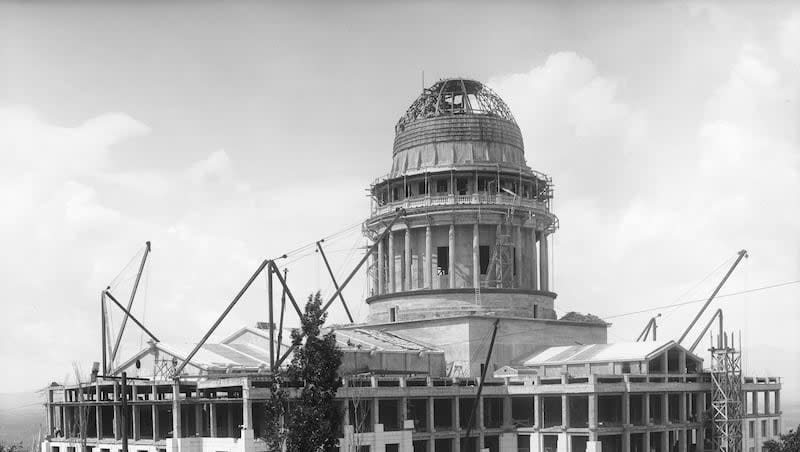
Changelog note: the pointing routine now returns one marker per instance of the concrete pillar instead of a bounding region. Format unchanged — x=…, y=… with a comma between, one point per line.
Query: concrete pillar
x=507, y=416
x=427, y=267
x=517, y=256
x=457, y=423
x=626, y=440
x=154, y=412
x=98, y=412
x=544, y=273
x=682, y=361
x=451, y=241
x=390, y=238
x=135, y=414
x=229, y=412
x=778, y=402
x=381, y=271
x=665, y=408
x=374, y=412
x=534, y=262
x=176, y=411
x=247, y=408
x=212, y=420
x=407, y=277
x=429, y=407
x=476, y=254
x=682, y=446
x=563, y=443
x=537, y=411
x=592, y=413
x=646, y=439
x=198, y=419
x=766, y=402
x=646, y=408
x=665, y=441
x=626, y=408
x=701, y=439
x=117, y=413
x=564, y=412
x=682, y=407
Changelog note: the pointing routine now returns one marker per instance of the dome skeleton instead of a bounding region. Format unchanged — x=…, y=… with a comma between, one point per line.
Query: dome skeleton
x=455, y=97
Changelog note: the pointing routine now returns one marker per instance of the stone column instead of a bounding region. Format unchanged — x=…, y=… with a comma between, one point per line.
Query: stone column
x=534, y=262
x=390, y=238
x=451, y=241
x=381, y=272
x=176, y=411
x=427, y=268
x=544, y=274
x=407, y=277
x=476, y=253
x=517, y=256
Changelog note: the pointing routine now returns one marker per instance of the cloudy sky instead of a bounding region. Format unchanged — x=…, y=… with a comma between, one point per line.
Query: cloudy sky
x=230, y=133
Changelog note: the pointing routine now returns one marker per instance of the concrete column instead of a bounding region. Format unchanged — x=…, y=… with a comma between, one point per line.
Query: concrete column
x=778, y=402
x=212, y=420
x=381, y=271
x=135, y=415
x=154, y=412
x=544, y=274
x=646, y=408
x=229, y=412
x=390, y=257
x=374, y=412
x=176, y=411
x=665, y=408
x=665, y=441
x=682, y=362
x=451, y=241
x=198, y=419
x=766, y=402
x=701, y=438
x=646, y=439
x=247, y=409
x=476, y=253
x=429, y=407
x=98, y=412
x=117, y=413
x=407, y=277
x=507, y=415
x=564, y=411
x=626, y=408
x=534, y=262
x=428, y=267
x=592, y=412
x=517, y=256
x=682, y=446
x=537, y=411
x=626, y=440
x=682, y=407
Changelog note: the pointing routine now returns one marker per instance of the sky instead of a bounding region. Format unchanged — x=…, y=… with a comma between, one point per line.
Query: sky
x=230, y=133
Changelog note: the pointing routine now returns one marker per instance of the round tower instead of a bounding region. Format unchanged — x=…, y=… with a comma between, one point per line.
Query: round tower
x=474, y=238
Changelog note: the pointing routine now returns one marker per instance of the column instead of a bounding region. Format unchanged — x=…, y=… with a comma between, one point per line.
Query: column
x=212, y=420
x=176, y=411
x=198, y=419
x=544, y=274
x=682, y=447
x=507, y=415
x=117, y=413
x=665, y=407
x=247, y=408
x=390, y=238
x=154, y=412
x=646, y=408
x=517, y=256
x=98, y=412
x=626, y=440
x=682, y=407
x=476, y=254
x=592, y=417
x=135, y=434
x=409, y=281
x=381, y=273
x=537, y=411
x=429, y=420
x=777, y=407
x=665, y=441
x=564, y=411
x=698, y=409
x=457, y=422
x=427, y=268
x=766, y=402
x=451, y=242
x=626, y=408
x=534, y=262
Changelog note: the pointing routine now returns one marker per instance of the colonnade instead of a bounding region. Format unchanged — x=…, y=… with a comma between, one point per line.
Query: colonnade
x=393, y=271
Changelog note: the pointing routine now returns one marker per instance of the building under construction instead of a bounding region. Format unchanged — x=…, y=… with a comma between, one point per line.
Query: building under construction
x=462, y=349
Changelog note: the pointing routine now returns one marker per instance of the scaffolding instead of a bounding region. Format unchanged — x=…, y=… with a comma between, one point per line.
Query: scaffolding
x=726, y=396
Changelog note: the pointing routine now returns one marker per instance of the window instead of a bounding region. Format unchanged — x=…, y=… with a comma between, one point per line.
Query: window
x=393, y=314
x=461, y=186
x=422, y=188
x=751, y=429
x=393, y=448
x=442, y=260
x=482, y=184
x=775, y=428
x=483, y=252
x=363, y=449
x=441, y=186
x=764, y=431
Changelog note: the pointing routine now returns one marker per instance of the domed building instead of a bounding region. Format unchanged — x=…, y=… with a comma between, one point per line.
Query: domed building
x=462, y=350
x=474, y=238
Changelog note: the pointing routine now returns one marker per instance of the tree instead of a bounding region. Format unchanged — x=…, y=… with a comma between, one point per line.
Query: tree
x=312, y=423
x=789, y=442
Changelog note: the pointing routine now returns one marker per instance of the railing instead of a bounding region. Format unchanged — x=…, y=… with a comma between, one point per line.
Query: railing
x=448, y=200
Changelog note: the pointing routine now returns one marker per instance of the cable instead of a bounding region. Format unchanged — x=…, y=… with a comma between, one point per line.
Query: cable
x=703, y=299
